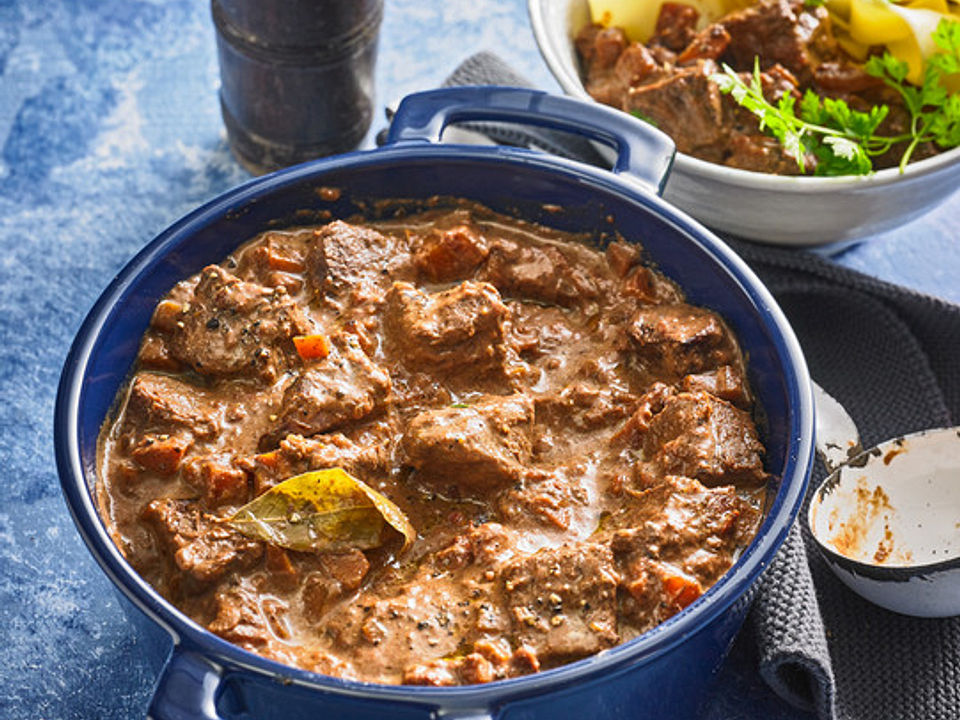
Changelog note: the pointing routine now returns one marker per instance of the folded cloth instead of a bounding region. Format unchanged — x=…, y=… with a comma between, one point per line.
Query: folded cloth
x=889, y=356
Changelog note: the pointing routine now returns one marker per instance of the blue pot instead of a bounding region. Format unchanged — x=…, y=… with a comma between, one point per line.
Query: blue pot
x=663, y=674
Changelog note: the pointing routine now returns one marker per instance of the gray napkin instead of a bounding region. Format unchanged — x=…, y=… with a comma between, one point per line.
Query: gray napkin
x=890, y=356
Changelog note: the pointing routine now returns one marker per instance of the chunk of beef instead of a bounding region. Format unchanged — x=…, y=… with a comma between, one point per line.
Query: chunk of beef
x=703, y=437
x=635, y=66
x=451, y=254
x=338, y=575
x=344, y=387
x=678, y=339
x=599, y=48
x=687, y=105
x=246, y=619
x=296, y=455
x=676, y=25
x=234, y=328
x=708, y=44
x=485, y=546
x=538, y=331
x=474, y=448
x=162, y=453
x=779, y=31
x=562, y=601
x=760, y=153
x=353, y=261
x=457, y=329
x=218, y=478
x=651, y=287
x=410, y=622
x=726, y=382
x=622, y=257
x=164, y=405
x=844, y=77
x=647, y=406
x=490, y=659
x=552, y=501
x=204, y=550
x=278, y=260
x=680, y=538
x=154, y=354
x=680, y=517
x=582, y=407
x=544, y=273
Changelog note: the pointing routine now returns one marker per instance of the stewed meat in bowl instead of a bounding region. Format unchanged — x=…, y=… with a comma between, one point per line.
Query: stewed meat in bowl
x=441, y=447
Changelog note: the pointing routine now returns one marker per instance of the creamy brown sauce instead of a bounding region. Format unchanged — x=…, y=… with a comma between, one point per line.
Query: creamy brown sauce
x=573, y=443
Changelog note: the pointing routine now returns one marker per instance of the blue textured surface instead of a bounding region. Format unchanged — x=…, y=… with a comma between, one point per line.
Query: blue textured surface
x=110, y=130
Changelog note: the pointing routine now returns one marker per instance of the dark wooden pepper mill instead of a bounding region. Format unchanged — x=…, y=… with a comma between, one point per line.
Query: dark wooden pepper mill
x=296, y=77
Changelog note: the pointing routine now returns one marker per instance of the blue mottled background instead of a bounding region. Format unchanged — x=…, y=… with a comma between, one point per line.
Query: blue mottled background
x=110, y=130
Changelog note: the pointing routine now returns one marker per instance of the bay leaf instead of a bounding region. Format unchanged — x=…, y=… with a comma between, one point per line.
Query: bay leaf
x=322, y=510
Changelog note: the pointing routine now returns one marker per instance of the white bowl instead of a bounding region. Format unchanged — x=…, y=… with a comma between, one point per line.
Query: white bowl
x=782, y=210
x=886, y=522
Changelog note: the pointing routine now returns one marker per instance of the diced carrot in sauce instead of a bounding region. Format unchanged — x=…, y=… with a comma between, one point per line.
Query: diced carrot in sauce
x=681, y=590
x=269, y=459
x=452, y=254
x=284, y=263
x=161, y=454
x=621, y=257
x=224, y=483
x=312, y=347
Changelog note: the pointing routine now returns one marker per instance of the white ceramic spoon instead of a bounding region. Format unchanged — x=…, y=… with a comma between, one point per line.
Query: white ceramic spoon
x=887, y=520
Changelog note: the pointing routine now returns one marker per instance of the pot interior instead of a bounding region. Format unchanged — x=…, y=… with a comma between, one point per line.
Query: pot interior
x=535, y=187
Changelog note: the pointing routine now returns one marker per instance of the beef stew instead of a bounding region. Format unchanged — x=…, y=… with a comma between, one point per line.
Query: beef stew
x=668, y=80
x=572, y=442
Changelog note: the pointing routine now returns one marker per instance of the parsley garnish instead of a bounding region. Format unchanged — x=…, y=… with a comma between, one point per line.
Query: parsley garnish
x=844, y=140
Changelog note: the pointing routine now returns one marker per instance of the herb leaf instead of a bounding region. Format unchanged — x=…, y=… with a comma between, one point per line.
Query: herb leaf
x=320, y=511
x=843, y=139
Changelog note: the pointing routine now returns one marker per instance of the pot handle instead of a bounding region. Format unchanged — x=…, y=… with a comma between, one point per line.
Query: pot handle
x=187, y=688
x=644, y=154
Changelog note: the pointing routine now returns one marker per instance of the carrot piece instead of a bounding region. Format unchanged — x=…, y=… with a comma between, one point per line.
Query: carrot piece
x=224, y=483
x=160, y=454
x=269, y=458
x=681, y=590
x=284, y=263
x=312, y=347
